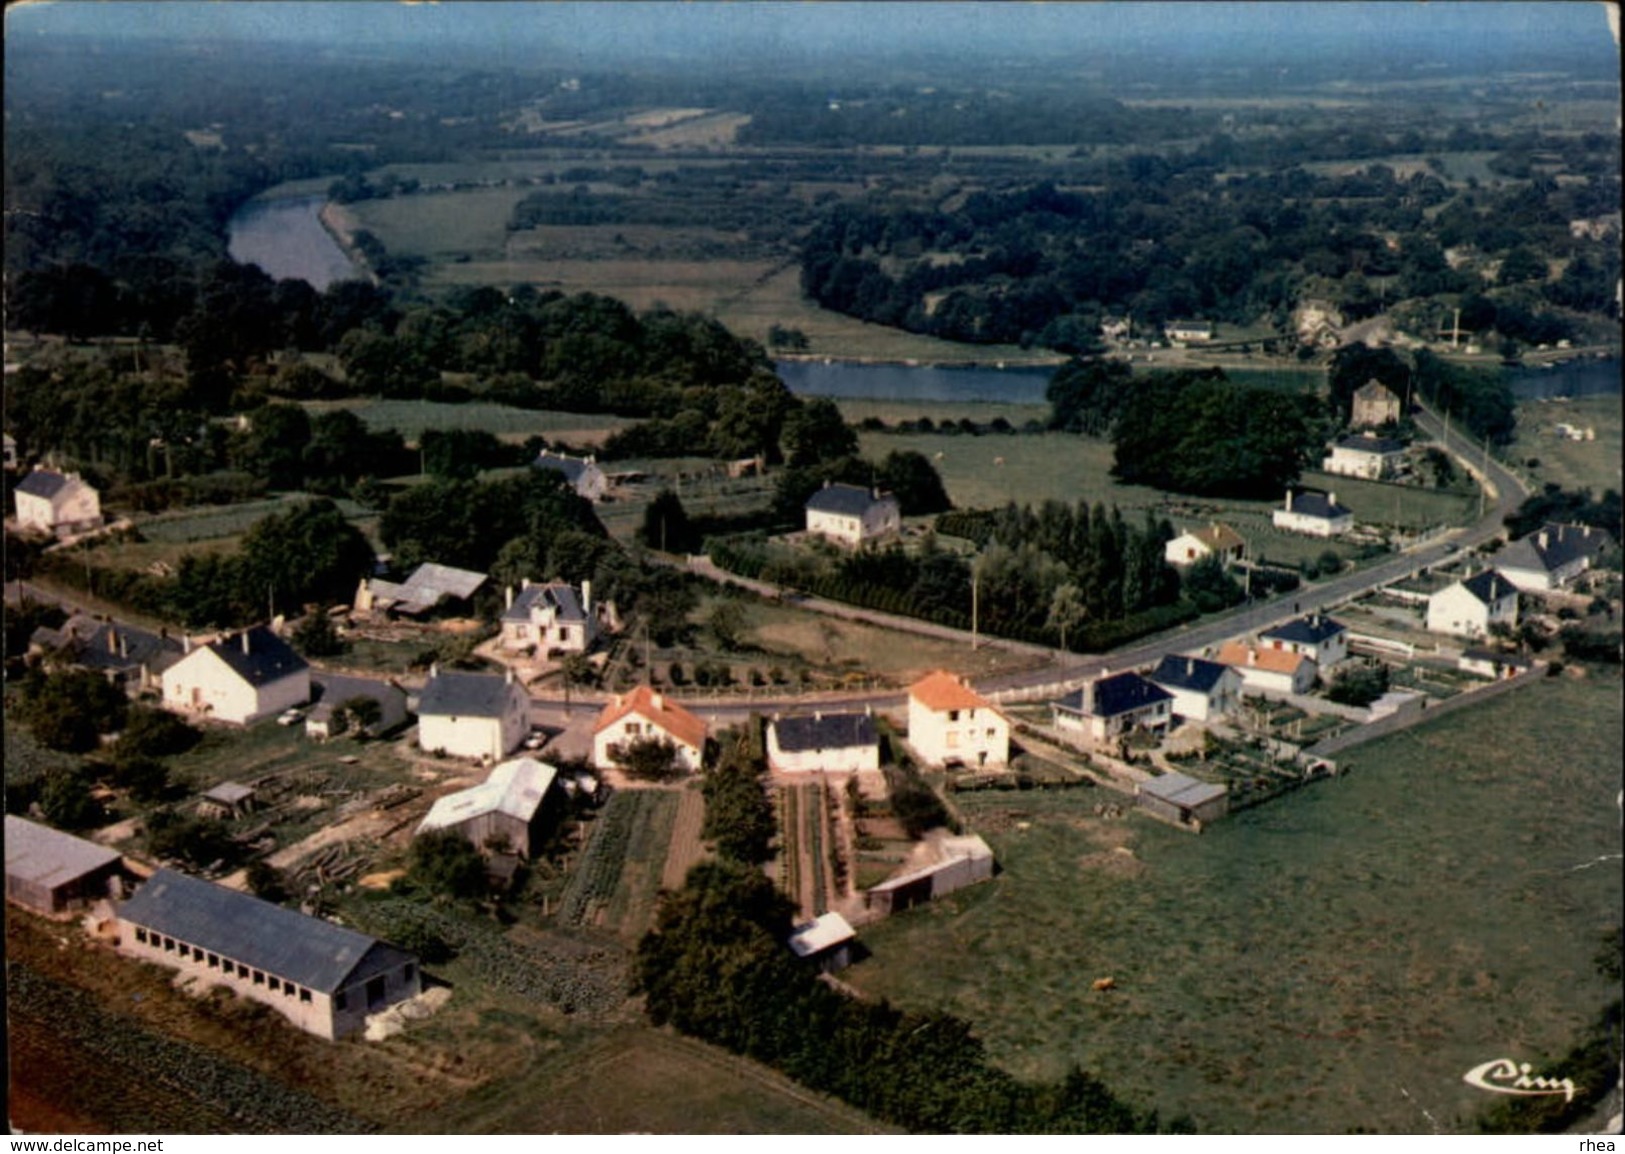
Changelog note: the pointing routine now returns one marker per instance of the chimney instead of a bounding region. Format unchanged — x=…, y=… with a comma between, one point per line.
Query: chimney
x=1331, y=500
x=1289, y=500
x=1089, y=697
x=1190, y=667
x=586, y=599
x=186, y=643
x=1544, y=539
x=245, y=643
x=112, y=641
x=434, y=670
x=658, y=700
x=507, y=597
x=1252, y=656
x=524, y=583
x=818, y=715
x=507, y=675
x=123, y=645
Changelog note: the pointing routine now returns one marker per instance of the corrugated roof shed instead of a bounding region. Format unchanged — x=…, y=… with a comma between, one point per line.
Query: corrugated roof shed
x=48, y=857
x=515, y=788
x=464, y=695
x=822, y=933
x=307, y=951
x=825, y=731
x=1178, y=789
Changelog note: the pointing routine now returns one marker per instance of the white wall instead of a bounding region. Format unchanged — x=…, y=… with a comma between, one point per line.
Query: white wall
x=848, y=760
x=203, y=685
x=974, y=736
x=635, y=727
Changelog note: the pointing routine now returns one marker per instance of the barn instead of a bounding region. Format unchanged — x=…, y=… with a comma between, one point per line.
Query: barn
x=323, y=978
x=1182, y=800
x=50, y=872
x=961, y=861
x=507, y=807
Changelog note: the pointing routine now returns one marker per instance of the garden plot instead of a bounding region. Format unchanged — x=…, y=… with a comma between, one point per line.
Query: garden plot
x=618, y=875
x=807, y=841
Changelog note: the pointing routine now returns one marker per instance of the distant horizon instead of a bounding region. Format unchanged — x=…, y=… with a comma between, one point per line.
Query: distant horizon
x=591, y=32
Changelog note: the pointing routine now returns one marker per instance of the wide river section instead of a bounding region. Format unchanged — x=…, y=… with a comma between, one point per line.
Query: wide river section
x=285, y=237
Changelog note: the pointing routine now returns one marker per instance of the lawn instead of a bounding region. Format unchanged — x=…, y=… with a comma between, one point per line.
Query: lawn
x=1338, y=958
x=1572, y=464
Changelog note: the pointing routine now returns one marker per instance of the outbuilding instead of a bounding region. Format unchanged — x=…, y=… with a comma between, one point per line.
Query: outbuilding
x=58, y=503
x=506, y=809
x=49, y=871
x=1182, y=800
x=959, y=862
x=825, y=942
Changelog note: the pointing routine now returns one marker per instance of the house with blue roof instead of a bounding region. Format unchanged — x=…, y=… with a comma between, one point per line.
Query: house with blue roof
x=1552, y=556
x=325, y=979
x=239, y=678
x=1473, y=606
x=550, y=616
x=1314, y=514
x=1111, y=706
x=1322, y=639
x=478, y=715
x=827, y=742
x=853, y=515
x=1202, y=690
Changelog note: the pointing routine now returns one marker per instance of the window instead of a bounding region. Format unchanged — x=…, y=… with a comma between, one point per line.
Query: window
x=273, y=985
x=197, y=953
x=304, y=994
x=214, y=961
x=341, y=1001
x=242, y=970
x=259, y=978
x=288, y=988
x=953, y=715
x=140, y=935
x=169, y=945
x=634, y=729
x=408, y=972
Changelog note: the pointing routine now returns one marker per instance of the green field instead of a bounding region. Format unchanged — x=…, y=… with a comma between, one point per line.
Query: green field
x=1336, y=959
x=1591, y=465
x=410, y=418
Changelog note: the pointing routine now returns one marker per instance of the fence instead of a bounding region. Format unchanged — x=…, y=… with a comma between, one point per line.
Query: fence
x=1407, y=717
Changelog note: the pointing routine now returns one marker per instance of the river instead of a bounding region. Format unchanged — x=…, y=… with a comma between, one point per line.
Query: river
x=1579, y=378
x=285, y=237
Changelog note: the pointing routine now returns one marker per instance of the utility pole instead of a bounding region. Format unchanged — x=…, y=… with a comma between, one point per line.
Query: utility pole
x=973, y=607
x=1484, y=481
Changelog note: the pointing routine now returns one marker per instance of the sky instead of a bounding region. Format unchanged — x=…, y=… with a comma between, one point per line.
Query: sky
x=805, y=28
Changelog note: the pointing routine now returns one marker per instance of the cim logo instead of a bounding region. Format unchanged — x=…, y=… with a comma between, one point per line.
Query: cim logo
x=1504, y=1076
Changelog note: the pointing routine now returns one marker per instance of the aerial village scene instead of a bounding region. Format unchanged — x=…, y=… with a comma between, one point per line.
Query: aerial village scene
x=813, y=568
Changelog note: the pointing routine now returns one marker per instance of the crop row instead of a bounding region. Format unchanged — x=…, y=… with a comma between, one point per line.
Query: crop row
x=599, y=870
x=252, y=1101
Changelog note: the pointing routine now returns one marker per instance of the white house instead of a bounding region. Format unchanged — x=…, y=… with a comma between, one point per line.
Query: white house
x=239, y=678
x=475, y=715
x=644, y=715
x=55, y=502
x=1552, y=556
x=1365, y=455
x=1188, y=332
x=852, y=514
x=1493, y=664
x=323, y=978
x=832, y=742
x=583, y=473
x=10, y=451
x=549, y=617
x=949, y=722
x=1202, y=690
x=1216, y=540
x=1373, y=404
x=1322, y=639
x=1108, y=707
x=1314, y=514
x=1269, y=670
x=1470, y=607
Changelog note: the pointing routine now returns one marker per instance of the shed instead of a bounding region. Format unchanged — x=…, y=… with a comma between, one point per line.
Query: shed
x=825, y=942
x=506, y=807
x=961, y=861
x=48, y=871
x=1183, y=800
x=226, y=800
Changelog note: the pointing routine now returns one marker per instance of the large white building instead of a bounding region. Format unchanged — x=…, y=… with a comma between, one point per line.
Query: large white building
x=853, y=515
x=1470, y=607
x=1366, y=455
x=239, y=679
x=948, y=722
x=831, y=742
x=1202, y=690
x=474, y=715
x=323, y=978
x=1216, y=540
x=53, y=502
x=1323, y=639
x=1552, y=556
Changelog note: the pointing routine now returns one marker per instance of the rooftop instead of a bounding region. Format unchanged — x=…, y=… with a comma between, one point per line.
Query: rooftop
x=1553, y=546
x=845, y=500
x=1179, y=789
x=1195, y=673
x=334, y=689
x=1489, y=586
x=573, y=468
x=1366, y=443
x=46, y=483
x=49, y=857
x=515, y=788
x=557, y=596
x=657, y=708
x=464, y=695
x=825, y=731
x=1243, y=656
x=258, y=656
x=307, y=951
x=822, y=933
x=1310, y=630
x=1313, y=503
x=428, y=583
x=1115, y=695
x=941, y=691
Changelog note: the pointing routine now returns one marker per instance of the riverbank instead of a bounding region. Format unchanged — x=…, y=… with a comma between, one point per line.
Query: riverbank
x=341, y=225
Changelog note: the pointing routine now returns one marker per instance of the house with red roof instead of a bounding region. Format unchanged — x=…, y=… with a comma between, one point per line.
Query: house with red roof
x=644, y=715
x=950, y=723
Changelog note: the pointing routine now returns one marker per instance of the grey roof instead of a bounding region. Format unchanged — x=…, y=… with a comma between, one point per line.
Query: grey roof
x=334, y=689
x=48, y=857
x=825, y=731
x=1312, y=503
x=307, y=951
x=845, y=500
x=1360, y=443
x=1115, y=695
x=559, y=597
x=1489, y=586
x=573, y=468
x=1179, y=789
x=44, y=483
x=267, y=659
x=1310, y=630
x=230, y=792
x=822, y=933
x=107, y=645
x=1553, y=546
x=1194, y=673
x=464, y=695
x=516, y=788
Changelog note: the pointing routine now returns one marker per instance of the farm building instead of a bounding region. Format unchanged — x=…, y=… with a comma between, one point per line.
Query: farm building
x=1373, y=404
x=1552, y=556
x=228, y=799
x=948, y=723
x=430, y=586
x=1313, y=514
x=238, y=679
x=644, y=715
x=1202, y=690
x=1216, y=540
x=583, y=473
x=1492, y=664
x=129, y=657
x=549, y=617
x=53, y=502
x=1269, y=670
x=1318, y=637
x=323, y=978
x=505, y=809
x=1108, y=707
x=472, y=714
x=1469, y=608
x=825, y=942
x=1365, y=455
x=852, y=515
x=332, y=691
x=48, y=871
x=1182, y=800
x=1188, y=332
x=832, y=742
x=961, y=861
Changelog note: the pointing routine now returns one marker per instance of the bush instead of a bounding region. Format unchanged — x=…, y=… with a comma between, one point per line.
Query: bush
x=446, y=862
x=154, y=733
x=650, y=759
x=1359, y=686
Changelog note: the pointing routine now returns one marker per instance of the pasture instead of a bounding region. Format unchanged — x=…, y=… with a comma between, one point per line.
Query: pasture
x=1591, y=465
x=1336, y=959
x=410, y=418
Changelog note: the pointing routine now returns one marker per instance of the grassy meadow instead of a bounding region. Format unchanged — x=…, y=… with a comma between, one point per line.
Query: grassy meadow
x=411, y=417
x=1591, y=465
x=1335, y=959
